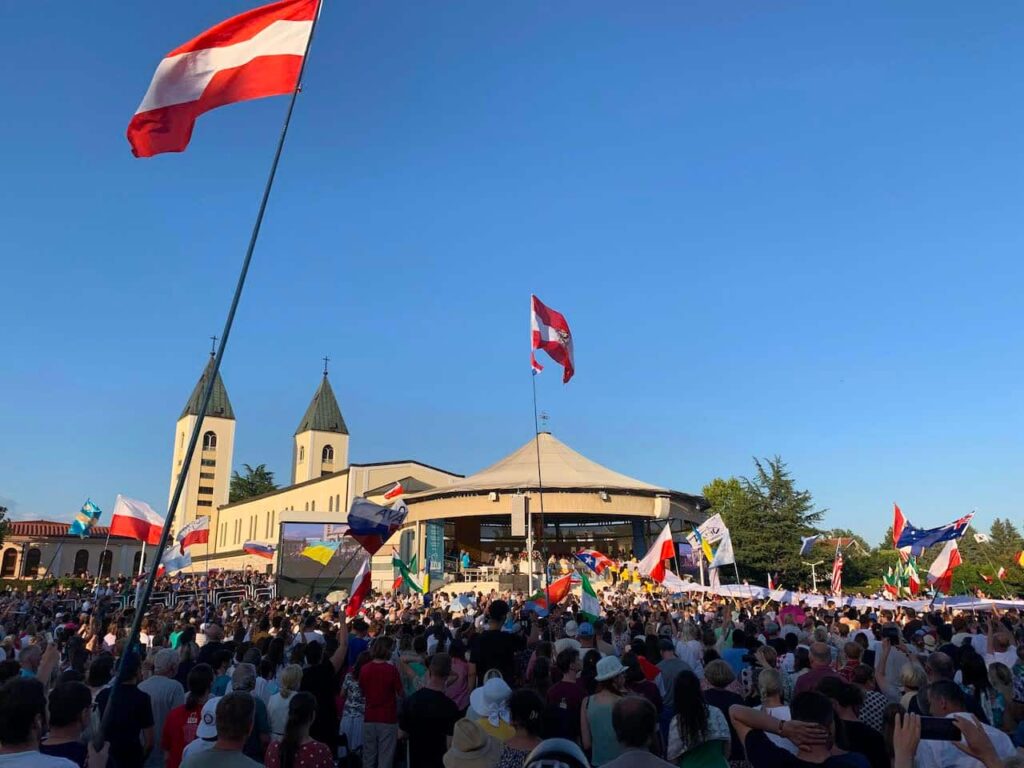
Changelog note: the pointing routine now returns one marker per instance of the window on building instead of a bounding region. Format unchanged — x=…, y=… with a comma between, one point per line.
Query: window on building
x=210, y=441
x=81, y=562
x=32, y=559
x=10, y=559
x=312, y=505
x=328, y=454
x=307, y=506
x=206, y=475
x=204, y=503
x=181, y=441
x=330, y=503
x=136, y=562
x=106, y=563
x=302, y=453
x=208, y=462
x=206, y=489
x=337, y=502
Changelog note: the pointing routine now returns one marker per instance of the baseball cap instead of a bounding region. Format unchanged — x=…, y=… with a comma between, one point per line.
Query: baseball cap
x=571, y=628
x=586, y=629
x=207, y=728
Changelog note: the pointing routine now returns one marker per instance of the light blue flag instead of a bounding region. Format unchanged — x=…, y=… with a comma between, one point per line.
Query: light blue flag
x=806, y=543
x=85, y=519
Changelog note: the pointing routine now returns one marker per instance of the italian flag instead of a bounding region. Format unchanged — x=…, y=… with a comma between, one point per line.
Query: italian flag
x=590, y=606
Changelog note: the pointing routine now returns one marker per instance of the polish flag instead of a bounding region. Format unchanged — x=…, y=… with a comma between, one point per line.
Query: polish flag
x=653, y=563
x=255, y=54
x=940, y=575
x=360, y=589
x=549, y=331
x=136, y=520
x=196, y=532
x=396, y=491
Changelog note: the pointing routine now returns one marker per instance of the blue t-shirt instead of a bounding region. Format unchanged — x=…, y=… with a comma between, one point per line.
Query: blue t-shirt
x=734, y=658
x=356, y=645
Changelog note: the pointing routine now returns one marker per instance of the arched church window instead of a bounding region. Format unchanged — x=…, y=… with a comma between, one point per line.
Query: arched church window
x=328, y=454
x=106, y=561
x=32, y=559
x=81, y=561
x=210, y=441
x=302, y=453
x=136, y=562
x=10, y=557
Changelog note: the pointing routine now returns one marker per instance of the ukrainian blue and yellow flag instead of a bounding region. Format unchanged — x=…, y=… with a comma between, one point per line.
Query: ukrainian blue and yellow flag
x=321, y=551
x=85, y=519
x=705, y=547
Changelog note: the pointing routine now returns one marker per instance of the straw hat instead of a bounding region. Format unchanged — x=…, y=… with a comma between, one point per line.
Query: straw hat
x=609, y=667
x=472, y=747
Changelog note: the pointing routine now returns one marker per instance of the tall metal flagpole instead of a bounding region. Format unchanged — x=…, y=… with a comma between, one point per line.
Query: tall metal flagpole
x=540, y=493
x=133, y=636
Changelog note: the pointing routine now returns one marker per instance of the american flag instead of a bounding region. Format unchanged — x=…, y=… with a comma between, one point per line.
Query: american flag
x=837, y=573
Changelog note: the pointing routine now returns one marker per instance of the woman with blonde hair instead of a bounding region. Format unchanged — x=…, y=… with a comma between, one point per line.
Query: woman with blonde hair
x=277, y=707
x=912, y=679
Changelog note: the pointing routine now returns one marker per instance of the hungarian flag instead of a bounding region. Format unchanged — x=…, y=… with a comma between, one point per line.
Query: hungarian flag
x=653, y=563
x=913, y=580
x=136, y=520
x=396, y=490
x=550, y=331
x=940, y=575
x=890, y=582
x=255, y=54
x=360, y=589
x=196, y=532
x=590, y=606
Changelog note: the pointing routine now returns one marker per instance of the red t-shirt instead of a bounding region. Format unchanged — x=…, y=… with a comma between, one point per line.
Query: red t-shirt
x=381, y=684
x=179, y=731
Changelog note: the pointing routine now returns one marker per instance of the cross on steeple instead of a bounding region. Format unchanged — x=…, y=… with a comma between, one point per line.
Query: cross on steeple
x=213, y=346
x=326, y=361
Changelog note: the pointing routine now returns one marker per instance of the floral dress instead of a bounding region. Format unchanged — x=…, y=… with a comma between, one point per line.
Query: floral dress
x=352, y=717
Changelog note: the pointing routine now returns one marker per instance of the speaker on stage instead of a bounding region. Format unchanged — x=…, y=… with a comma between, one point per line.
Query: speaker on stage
x=505, y=581
x=520, y=582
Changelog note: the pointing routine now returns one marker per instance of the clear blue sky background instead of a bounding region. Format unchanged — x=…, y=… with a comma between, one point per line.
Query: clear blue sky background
x=788, y=228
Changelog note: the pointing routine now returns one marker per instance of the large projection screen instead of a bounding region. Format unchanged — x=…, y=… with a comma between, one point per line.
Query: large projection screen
x=298, y=575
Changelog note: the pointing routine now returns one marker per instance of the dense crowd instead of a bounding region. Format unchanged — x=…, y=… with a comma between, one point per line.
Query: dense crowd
x=468, y=680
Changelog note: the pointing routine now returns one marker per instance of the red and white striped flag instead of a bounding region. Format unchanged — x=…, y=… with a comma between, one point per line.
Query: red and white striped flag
x=255, y=54
x=837, y=573
x=196, y=532
x=396, y=491
x=550, y=331
x=135, y=519
x=360, y=589
x=1001, y=573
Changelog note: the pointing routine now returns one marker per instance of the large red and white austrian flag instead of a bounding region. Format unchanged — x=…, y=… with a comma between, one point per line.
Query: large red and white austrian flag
x=549, y=331
x=255, y=54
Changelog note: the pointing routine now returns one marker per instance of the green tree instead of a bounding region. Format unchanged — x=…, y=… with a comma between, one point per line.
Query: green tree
x=255, y=482
x=766, y=515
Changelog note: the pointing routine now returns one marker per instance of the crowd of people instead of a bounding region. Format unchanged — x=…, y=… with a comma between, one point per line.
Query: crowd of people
x=476, y=680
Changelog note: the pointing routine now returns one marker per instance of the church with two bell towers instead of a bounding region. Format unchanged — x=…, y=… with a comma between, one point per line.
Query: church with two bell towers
x=323, y=482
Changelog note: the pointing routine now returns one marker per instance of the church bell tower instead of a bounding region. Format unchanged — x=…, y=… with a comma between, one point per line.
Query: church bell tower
x=321, y=439
x=209, y=477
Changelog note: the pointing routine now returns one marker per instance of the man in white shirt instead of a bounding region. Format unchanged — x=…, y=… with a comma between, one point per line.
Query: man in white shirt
x=1000, y=646
x=946, y=699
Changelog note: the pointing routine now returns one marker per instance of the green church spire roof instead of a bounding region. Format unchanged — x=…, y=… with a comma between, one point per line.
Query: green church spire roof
x=219, y=405
x=323, y=414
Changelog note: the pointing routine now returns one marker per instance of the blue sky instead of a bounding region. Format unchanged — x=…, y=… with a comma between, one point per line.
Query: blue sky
x=776, y=228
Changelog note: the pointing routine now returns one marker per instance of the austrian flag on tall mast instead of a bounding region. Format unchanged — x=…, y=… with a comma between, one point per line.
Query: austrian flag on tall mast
x=255, y=54
x=550, y=331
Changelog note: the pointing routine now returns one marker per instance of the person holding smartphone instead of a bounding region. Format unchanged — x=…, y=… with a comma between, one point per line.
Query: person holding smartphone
x=946, y=699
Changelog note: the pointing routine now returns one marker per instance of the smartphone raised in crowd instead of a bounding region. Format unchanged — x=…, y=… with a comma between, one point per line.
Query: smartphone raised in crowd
x=939, y=729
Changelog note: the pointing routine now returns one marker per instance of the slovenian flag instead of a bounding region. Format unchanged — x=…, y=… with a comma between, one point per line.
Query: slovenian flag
x=86, y=518
x=259, y=549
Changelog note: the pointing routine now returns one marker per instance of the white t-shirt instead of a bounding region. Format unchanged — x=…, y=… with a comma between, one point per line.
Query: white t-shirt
x=942, y=754
x=34, y=759
x=1007, y=657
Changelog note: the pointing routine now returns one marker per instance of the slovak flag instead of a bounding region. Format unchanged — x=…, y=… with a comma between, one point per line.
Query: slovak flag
x=360, y=589
x=653, y=563
x=396, y=491
x=550, y=331
x=255, y=54
x=594, y=560
x=196, y=532
x=136, y=520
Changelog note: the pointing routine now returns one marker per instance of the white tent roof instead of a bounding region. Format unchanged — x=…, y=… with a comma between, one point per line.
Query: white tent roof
x=561, y=467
